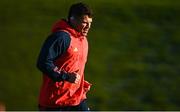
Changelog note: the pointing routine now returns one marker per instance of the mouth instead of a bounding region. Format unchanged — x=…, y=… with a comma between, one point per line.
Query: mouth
x=85, y=33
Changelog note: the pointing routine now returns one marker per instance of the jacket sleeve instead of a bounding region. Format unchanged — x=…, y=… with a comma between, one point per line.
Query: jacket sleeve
x=54, y=46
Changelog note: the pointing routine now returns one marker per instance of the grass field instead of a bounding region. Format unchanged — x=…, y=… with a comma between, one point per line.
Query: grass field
x=133, y=57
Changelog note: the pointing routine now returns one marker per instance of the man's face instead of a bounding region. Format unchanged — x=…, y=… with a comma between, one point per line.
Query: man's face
x=83, y=24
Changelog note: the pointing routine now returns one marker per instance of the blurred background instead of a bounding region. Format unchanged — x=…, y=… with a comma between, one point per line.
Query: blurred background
x=134, y=51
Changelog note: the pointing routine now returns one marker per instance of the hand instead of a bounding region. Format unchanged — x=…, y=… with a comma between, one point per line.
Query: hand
x=73, y=77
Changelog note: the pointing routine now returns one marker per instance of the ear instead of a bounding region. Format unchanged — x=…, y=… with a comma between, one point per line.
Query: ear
x=72, y=18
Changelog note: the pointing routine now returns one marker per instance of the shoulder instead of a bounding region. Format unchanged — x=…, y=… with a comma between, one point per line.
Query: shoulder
x=59, y=36
x=62, y=35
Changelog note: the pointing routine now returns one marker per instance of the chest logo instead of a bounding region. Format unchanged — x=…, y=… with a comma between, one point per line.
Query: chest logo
x=75, y=49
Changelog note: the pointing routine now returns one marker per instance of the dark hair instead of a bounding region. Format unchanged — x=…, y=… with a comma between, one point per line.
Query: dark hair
x=79, y=9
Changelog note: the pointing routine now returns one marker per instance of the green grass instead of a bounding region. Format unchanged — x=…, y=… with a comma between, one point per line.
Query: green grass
x=133, y=58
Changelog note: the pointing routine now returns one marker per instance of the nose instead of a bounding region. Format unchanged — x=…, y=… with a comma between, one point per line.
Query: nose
x=88, y=25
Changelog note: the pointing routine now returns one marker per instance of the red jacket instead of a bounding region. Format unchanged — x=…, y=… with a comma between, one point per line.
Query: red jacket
x=64, y=93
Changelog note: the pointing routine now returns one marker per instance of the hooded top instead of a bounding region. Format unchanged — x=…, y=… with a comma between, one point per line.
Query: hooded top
x=64, y=50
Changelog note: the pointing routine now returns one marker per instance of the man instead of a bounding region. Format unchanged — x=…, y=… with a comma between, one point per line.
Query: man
x=62, y=61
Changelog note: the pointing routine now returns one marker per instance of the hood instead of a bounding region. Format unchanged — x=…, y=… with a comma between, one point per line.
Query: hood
x=63, y=25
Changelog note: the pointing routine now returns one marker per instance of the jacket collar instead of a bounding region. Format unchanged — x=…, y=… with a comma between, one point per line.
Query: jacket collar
x=64, y=25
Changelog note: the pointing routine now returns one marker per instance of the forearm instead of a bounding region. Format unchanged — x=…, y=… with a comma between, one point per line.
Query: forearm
x=48, y=69
x=53, y=72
